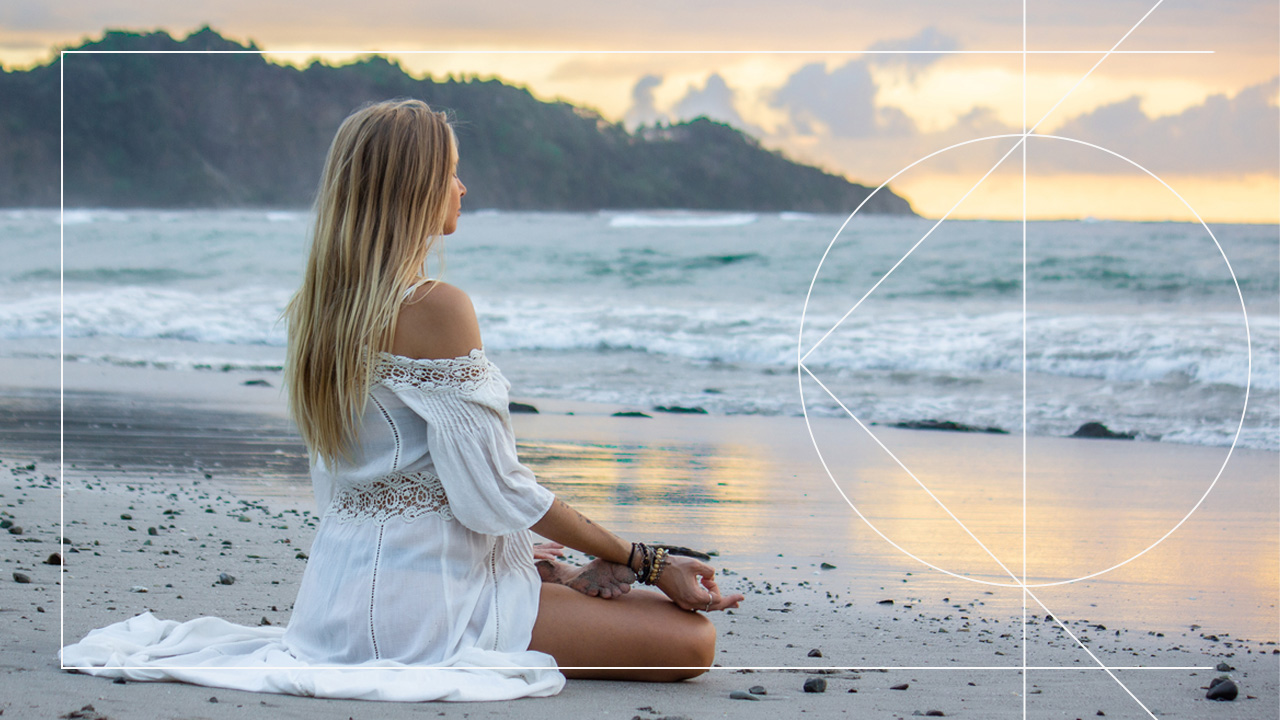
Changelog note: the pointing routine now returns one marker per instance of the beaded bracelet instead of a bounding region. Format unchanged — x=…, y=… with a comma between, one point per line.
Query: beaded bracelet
x=659, y=564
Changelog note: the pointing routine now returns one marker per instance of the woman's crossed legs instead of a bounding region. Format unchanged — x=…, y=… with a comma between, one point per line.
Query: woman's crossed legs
x=641, y=634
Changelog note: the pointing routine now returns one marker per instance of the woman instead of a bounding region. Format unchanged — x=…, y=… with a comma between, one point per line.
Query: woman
x=423, y=561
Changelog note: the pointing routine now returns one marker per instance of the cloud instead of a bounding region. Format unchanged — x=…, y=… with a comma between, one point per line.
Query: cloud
x=642, y=110
x=841, y=103
x=929, y=38
x=714, y=100
x=1220, y=135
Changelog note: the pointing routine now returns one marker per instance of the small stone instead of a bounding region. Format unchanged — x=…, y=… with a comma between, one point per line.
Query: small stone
x=739, y=695
x=256, y=383
x=885, y=602
x=138, y=589
x=827, y=566
x=226, y=579
x=213, y=698
x=1223, y=667
x=902, y=686
x=15, y=530
x=631, y=413
x=815, y=685
x=152, y=531
x=126, y=516
x=301, y=555
x=53, y=559
x=935, y=713
x=815, y=653
x=244, y=518
x=21, y=578
x=757, y=690
x=519, y=407
x=1101, y=714
x=1224, y=690
x=39, y=609
x=6, y=524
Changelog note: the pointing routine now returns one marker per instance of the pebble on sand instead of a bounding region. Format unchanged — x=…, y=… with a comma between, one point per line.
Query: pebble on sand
x=815, y=685
x=1222, y=689
x=226, y=579
x=739, y=695
x=902, y=686
x=53, y=559
x=815, y=653
x=757, y=690
x=21, y=578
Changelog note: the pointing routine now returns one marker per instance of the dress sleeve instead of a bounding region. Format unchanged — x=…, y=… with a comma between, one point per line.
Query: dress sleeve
x=473, y=447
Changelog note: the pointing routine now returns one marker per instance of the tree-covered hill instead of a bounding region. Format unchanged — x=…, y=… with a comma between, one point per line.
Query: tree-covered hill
x=178, y=129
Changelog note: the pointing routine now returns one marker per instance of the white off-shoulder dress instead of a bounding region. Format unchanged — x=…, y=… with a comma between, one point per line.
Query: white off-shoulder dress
x=420, y=583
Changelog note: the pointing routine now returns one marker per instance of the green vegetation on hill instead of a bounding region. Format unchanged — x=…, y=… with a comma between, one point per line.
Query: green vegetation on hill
x=174, y=129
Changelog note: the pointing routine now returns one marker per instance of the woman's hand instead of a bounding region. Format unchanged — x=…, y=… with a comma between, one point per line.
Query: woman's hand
x=547, y=551
x=691, y=585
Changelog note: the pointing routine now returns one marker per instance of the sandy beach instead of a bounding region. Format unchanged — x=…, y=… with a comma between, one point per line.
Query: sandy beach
x=174, y=479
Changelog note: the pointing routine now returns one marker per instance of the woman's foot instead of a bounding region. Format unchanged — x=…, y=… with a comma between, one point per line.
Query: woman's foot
x=598, y=578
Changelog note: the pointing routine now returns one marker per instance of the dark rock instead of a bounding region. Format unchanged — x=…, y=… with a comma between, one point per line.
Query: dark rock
x=1224, y=690
x=519, y=407
x=1098, y=430
x=885, y=602
x=264, y=621
x=257, y=383
x=934, y=713
x=126, y=516
x=827, y=566
x=53, y=559
x=226, y=579
x=902, y=686
x=757, y=690
x=631, y=413
x=21, y=578
x=120, y=681
x=948, y=425
x=152, y=531
x=815, y=653
x=739, y=695
x=679, y=410
x=6, y=524
x=213, y=698
x=301, y=555
x=1223, y=667
x=815, y=685
x=15, y=530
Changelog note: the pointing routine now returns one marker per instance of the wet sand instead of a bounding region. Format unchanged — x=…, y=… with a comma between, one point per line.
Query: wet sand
x=207, y=461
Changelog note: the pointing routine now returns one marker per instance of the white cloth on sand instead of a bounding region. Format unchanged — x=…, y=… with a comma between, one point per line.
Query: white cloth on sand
x=420, y=584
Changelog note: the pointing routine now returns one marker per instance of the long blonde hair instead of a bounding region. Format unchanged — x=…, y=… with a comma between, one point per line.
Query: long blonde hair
x=382, y=202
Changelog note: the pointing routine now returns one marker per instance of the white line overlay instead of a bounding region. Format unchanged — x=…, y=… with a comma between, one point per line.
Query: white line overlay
x=802, y=369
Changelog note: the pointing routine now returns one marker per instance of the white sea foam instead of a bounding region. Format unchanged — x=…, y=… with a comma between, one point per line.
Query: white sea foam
x=676, y=220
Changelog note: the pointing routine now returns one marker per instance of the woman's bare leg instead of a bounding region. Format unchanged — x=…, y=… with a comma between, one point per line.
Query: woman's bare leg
x=641, y=629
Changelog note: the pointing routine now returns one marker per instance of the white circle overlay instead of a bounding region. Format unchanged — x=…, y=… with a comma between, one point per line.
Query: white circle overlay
x=800, y=368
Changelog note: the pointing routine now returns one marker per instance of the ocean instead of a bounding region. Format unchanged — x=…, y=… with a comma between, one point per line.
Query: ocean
x=1139, y=326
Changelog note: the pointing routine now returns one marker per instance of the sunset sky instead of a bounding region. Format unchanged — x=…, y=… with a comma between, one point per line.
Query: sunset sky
x=805, y=80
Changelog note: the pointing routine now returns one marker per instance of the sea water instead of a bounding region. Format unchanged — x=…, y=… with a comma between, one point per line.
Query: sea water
x=1169, y=331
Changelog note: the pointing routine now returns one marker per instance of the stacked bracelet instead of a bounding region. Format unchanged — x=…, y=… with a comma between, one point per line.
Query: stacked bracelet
x=647, y=562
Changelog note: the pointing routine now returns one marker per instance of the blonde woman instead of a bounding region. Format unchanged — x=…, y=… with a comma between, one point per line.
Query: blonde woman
x=422, y=574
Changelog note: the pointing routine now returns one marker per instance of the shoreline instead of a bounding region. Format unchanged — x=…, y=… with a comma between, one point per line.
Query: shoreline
x=762, y=501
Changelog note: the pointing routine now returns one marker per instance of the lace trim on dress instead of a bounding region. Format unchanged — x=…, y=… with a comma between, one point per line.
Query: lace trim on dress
x=464, y=373
x=406, y=496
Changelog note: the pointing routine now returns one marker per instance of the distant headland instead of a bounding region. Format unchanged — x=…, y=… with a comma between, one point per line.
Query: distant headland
x=211, y=130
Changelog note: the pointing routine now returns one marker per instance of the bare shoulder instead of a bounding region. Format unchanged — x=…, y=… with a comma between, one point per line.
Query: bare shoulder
x=437, y=321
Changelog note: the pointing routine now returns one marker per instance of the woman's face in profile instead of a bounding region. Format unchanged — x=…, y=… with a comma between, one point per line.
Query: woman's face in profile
x=456, y=191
